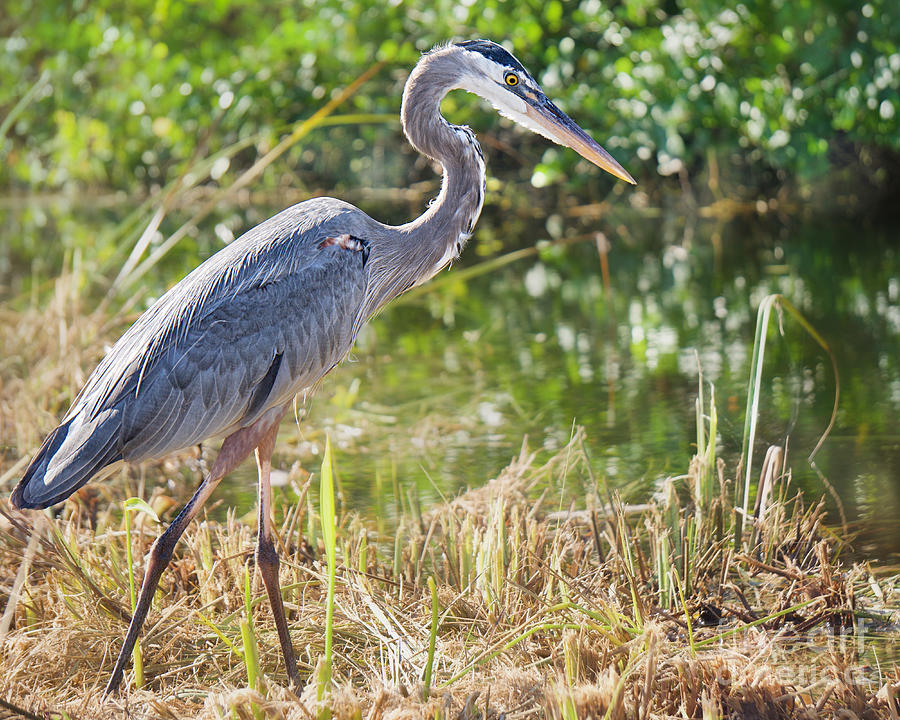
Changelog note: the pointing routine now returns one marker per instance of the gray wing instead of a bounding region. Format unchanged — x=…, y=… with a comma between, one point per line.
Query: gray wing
x=256, y=323
x=251, y=353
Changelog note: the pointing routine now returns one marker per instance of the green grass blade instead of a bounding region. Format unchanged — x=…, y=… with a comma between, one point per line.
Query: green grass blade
x=248, y=636
x=813, y=333
x=752, y=414
x=329, y=535
x=250, y=654
x=138, y=505
x=759, y=621
x=490, y=655
x=219, y=634
x=432, y=636
x=23, y=103
x=751, y=417
x=251, y=647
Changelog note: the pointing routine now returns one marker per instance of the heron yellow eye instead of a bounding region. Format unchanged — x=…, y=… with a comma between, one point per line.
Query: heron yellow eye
x=511, y=79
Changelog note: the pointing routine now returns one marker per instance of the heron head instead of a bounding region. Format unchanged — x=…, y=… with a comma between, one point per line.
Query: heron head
x=492, y=72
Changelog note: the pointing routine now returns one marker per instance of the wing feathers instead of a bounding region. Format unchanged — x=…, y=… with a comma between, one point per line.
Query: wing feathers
x=69, y=457
x=264, y=388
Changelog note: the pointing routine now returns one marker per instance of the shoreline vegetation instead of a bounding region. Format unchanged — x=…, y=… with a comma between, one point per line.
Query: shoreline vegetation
x=143, y=95
x=519, y=598
x=540, y=593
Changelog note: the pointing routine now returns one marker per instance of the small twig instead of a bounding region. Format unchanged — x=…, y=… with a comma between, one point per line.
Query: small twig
x=769, y=568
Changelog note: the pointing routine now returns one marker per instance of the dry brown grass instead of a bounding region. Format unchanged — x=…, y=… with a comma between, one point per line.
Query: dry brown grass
x=532, y=624
x=599, y=610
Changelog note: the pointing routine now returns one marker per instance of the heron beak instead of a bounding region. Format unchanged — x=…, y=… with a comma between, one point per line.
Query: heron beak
x=560, y=128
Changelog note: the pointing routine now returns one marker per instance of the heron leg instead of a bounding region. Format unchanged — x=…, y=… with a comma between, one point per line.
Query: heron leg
x=236, y=447
x=267, y=557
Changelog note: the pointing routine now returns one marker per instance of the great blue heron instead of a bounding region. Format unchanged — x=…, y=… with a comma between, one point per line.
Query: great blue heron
x=226, y=349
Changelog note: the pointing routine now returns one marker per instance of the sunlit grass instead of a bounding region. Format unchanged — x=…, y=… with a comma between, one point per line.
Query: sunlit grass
x=595, y=632
x=249, y=643
x=541, y=578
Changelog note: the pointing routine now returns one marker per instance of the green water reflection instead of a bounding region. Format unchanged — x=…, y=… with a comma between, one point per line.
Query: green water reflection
x=442, y=387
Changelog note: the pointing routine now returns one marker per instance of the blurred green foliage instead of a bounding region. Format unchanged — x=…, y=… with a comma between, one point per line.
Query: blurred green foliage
x=106, y=93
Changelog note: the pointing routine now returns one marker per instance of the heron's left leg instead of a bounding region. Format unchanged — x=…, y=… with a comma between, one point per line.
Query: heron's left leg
x=266, y=555
x=236, y=447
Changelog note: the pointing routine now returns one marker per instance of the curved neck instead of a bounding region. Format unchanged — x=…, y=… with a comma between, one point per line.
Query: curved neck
x=451, y=216
x=416, y=251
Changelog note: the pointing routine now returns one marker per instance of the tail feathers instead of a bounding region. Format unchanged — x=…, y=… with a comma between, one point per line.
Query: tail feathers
x=70, y=456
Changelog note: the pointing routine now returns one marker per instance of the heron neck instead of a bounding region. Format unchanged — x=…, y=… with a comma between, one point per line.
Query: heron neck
x=412, y=253
x=450, y=218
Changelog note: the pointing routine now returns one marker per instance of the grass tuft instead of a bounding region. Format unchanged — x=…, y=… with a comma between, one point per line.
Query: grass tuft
x=562, y=632
x=526, y=596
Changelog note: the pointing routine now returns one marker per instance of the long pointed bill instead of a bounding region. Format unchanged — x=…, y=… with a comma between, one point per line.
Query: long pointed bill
x=560, y=128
